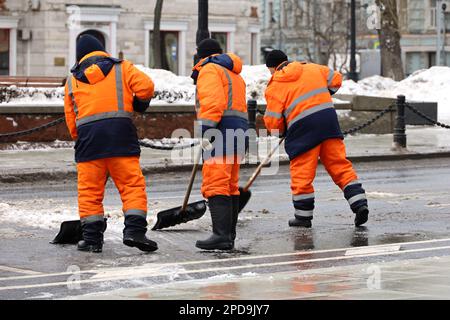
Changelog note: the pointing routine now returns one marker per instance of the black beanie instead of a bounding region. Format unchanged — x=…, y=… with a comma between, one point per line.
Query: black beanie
x=275, y=58
x=87, y=44
x=208, y=47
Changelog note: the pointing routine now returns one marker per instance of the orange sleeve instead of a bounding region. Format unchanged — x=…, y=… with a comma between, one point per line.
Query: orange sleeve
x=333, y=78
x=273, y=117
x=139, y=83
x=211, y=96
x=70, y=114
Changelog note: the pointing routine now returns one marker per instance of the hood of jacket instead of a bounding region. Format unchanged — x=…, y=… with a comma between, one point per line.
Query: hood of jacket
x=289, y=73
x=94, y=67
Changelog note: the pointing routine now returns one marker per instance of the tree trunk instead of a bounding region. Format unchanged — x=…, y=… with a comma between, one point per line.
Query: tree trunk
x=157, y=52
x=389, y=34
x=3, y=5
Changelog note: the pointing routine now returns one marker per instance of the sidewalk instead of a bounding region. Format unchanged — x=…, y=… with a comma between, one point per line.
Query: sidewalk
x=426, y=278
x=58, y=163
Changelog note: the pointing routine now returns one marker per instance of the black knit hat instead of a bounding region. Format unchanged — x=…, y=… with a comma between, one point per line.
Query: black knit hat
x=208, y=47
x=275, y=58
x=87, y=44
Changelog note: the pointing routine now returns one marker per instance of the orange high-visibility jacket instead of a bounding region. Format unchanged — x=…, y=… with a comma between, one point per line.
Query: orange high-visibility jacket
x=100, y=97
x=221, y=97
x=300, y=106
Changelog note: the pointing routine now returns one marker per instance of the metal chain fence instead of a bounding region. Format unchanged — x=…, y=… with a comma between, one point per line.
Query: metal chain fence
x=33, y=130
x=157, y=146
x=369, y=122
x=419, y=113
x=175, y=146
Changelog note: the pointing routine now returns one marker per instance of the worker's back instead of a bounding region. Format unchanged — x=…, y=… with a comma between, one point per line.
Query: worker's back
x=101, y=94
x=300, y=105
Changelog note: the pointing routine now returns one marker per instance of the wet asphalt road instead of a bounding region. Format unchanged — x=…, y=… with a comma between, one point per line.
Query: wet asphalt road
x=409, y=201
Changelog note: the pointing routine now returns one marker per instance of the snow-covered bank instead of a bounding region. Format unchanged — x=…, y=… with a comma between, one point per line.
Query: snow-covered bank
x=424, y=85
x=432, y=85
x=169, y=87
x=49, y=213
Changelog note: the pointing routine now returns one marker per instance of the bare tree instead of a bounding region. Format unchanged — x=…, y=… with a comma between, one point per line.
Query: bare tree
x=157, y=52
x=389, y=34
x=322, y=26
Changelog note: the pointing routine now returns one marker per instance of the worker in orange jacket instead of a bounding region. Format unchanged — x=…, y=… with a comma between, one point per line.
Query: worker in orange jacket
x=222, y=117
x=300, y=106
x=100, y=96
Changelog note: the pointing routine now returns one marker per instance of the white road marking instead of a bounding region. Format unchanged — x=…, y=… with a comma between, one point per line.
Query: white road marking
x=368, y=250
x=17, y=270
x=133, y=274
x=278, y=255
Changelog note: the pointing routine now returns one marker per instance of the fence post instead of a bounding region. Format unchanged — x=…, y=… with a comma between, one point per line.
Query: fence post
x=400, y=129
x=251, y=111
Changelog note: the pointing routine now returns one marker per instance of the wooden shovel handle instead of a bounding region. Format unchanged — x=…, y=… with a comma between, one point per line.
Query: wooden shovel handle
x=262, y=164
x=191, y=181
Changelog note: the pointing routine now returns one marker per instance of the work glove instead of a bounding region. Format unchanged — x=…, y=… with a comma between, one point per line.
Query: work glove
x=140, y=105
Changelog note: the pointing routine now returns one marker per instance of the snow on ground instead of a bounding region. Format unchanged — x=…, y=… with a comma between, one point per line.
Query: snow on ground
x=32, y=96
x=36, y=146
x=49, y=213
x=432, y=85
x=424, y=85
x=170, y=87
x=256, y=78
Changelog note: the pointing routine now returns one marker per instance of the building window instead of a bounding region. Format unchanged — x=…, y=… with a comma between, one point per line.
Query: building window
x=431, y=14
x=4, y=52
x=169, y=51
x=403, y=15
x=222, y=38
x=431, y=59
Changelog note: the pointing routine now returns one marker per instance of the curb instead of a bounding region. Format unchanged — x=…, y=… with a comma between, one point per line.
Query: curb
x=72, y=175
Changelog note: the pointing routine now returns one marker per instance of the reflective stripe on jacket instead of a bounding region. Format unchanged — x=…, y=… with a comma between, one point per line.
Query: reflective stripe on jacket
x=221, y=100
x=299, y=105
x=100, y=97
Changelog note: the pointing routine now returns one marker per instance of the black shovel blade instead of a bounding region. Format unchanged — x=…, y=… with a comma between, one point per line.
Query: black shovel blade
x=244, y=197
x=172, y=217
x=69, y=233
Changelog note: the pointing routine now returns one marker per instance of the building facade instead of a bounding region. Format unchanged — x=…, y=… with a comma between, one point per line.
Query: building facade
x=419, y=34
x=38, y=37
x=305, y=29
x=290, y=26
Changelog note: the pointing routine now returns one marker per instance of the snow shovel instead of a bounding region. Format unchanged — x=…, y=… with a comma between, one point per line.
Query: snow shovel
x=186, y=212
x=70, y=232
x=245, y=192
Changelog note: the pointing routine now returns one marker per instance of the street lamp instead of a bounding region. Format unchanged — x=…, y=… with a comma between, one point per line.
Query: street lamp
x=202, y=31
x=352, y=74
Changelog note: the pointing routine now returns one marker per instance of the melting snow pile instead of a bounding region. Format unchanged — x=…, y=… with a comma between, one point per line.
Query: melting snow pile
x=424, y=85
x=256, y=78
x=432, y=85
x=32, y=96
x=169, y=87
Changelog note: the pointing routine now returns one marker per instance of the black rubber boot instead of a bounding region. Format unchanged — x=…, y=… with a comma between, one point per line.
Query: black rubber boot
x=361, y=216
x=92, y=236
x=356, y=196
x=221, y=208
x=235, y=214
x=300, y=221
x=134, y=234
